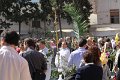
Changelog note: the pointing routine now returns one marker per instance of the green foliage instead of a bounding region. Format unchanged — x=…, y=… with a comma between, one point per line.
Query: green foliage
x=50, y=53
x=54, y=74
x=112, y=55
x=5, y=4
x=80, y=26
x=24, y=10
x=53, y=3
x=46, y=10
x=84, y=7
x=70, y=72
x=21, y=10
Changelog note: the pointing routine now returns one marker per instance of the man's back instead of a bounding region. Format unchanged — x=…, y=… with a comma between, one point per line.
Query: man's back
x=37, y=63
x=12, y=66
x=89, y=72
x=76, y=57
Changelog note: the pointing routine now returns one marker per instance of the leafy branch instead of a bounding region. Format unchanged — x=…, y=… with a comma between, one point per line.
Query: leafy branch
x=80, y=26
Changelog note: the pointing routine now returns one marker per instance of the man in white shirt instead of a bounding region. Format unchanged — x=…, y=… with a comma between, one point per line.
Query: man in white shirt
x=61, y=60
x=12, y=66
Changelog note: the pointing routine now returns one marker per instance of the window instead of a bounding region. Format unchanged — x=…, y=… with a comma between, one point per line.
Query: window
x=36, y=24
x=114, y=16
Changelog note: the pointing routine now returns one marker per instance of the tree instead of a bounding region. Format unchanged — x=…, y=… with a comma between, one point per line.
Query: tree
x=5, y=4
x=19, y=11
x=23, y=10
x=80, y=26
x=45, y=15
x=56, y=14
x=84, y=7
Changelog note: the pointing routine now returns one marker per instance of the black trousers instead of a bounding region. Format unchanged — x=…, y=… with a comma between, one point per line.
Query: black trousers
x=118, y=75
x=110, y=64
x=38, y=76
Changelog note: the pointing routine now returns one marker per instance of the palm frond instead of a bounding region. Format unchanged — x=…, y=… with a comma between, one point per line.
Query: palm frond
x=80, y=26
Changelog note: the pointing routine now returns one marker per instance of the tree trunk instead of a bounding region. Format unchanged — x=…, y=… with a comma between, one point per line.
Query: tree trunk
x=20, y=28
x=45, y=28
x=59, y=20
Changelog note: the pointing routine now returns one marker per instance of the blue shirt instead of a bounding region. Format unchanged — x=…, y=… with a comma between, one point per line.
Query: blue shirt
x=76, y=57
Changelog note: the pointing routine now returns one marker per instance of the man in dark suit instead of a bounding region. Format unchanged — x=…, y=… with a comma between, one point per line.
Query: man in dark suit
x=37, y=62
x=90, y=71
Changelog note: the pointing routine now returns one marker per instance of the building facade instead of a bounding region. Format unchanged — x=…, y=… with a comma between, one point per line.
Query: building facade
x=105, y=21
x=37, y=29
x=108, y=18
x=108, y=11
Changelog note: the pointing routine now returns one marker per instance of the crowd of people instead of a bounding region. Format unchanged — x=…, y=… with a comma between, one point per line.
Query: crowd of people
x=31, y=59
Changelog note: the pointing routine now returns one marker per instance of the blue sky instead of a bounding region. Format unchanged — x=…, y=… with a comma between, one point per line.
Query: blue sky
x=35, y=0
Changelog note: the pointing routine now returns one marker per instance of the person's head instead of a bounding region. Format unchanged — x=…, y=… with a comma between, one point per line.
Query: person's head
x=90, y=39
x=107, y=45
x=42, y=44
x=21, y=46
x=52, y=44
x=82, y=42
x=107, y=40
x=37, y=47
x=76, y=45
x=60, y=44
x=88, y=57
x=11, y=38
x=102, y=43
x=68, y=39
x=64, y=44
x=28, y=42
x=96, y=53
x=113, y=38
